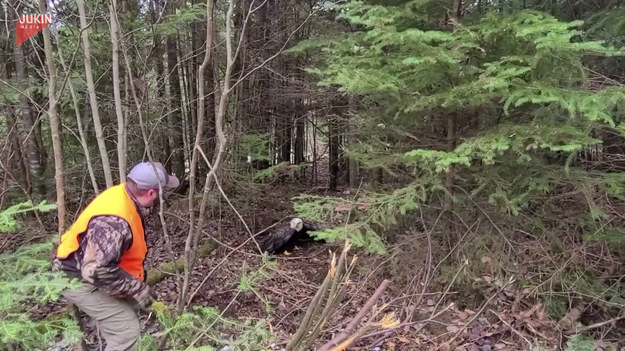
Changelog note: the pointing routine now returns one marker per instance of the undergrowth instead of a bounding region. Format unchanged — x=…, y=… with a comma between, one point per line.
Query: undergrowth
x=26, y=283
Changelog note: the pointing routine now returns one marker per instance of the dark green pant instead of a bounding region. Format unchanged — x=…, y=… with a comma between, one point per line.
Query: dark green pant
x=116, y=319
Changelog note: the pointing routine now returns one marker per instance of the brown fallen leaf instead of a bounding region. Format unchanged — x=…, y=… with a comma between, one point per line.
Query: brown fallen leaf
x=403, y=340
x=452, y=329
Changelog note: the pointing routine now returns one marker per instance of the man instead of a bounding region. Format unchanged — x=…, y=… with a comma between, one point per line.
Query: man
x=105, y=248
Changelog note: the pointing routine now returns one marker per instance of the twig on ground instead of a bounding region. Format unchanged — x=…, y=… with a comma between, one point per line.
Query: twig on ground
x=345, y=334
x=222, y=262
x=464, y=327
x=388, y=332
x=511, y=327
x=451, y=283
x=596, y=325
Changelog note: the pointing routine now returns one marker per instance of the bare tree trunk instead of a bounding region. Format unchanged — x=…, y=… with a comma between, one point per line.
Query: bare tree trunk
x=184, y=106
x=121, y=127
x=34, y=158
x=175, y=115
x=285, y=133
x=22, y=112
x=450, y=178
x=81, y=131
x=300, y=133
x=354, y=169
x=15, y=149
x=55, y=125
x=188, y=254
x=334, y=148
x=191, y=244
x=92, y=95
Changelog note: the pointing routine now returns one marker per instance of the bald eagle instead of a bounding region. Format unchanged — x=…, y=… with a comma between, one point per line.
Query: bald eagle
x=287, y=234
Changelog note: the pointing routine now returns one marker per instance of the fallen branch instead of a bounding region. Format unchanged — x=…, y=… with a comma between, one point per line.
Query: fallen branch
x=511, y=328
x=222, y=262
x=596, y=325
x=347, y=334
x=159, y=273
x=466, y=325
x=389, y=331
x=330, y=291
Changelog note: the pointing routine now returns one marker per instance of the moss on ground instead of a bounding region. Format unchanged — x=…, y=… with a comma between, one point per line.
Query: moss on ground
x=159, y=273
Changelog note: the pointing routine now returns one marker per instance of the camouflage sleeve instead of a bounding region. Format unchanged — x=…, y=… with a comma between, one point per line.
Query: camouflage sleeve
x=107, y=238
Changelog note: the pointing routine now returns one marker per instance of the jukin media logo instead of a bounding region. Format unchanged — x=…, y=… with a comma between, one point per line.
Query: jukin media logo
x=29, y=25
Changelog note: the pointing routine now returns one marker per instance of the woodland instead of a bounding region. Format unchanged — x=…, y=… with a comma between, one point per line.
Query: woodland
x=464, y=160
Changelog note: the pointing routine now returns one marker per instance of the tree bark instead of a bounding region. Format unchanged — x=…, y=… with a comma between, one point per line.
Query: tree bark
x=25, y=114
x=184, y=106
x=81, y=131
x=55, y=125
x=300, y=132
x=450, y=177
x=175, y=115
x=121, y=127
x=188, y=252
x=92, y=95
x=334, y=150
x=16, y=150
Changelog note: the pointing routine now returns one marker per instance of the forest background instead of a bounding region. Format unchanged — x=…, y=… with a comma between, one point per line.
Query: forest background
x=470, y=152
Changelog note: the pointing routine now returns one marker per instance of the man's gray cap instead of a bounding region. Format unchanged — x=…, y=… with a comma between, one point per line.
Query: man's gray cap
x=143, y=174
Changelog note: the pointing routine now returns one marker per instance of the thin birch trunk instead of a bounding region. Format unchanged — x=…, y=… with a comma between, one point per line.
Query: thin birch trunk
x=188, y=254
x=55, y=125
x=92, y=96
x=121, y=127
x=184, y=103
x=81, y=130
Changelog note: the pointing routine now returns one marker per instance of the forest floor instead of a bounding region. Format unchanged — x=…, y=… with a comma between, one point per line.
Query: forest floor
x=432, y=315
x=429, y=317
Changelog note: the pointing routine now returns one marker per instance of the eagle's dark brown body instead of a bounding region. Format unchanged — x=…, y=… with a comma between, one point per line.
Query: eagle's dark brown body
x=286, y=235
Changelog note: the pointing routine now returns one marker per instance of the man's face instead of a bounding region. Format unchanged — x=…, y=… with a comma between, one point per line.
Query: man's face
x=149, y=199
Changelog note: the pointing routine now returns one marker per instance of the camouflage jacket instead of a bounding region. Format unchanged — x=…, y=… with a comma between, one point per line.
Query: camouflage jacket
x=96, y=261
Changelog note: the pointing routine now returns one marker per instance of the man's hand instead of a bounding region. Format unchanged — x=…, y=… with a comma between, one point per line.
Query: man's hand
x=144, y=298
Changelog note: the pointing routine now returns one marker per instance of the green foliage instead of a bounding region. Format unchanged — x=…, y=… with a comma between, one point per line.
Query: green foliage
x=358, y=235
x=208, y=324
x=184, y=15
x=250, y=280
x=255, y=145
x=20, y=330
x=370, y=212
x=26, y=280
x=147, y=342
x=280, y=171
x=580, y=343
x=7, y=216
x=271, y=172
x=610, y=235
x=522, y=75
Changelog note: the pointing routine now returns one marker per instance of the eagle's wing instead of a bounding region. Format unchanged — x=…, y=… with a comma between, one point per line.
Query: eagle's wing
x=277, y=238
x=311, y=226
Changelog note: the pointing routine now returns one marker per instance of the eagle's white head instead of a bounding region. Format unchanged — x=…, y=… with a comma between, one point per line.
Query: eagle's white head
x=297, y=224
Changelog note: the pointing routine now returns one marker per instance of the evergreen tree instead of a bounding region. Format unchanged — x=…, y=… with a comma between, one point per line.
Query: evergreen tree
x=517, y=87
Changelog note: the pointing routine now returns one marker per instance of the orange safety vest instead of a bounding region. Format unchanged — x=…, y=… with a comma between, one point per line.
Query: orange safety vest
x=114, y=201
